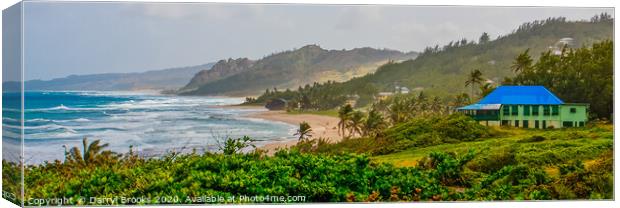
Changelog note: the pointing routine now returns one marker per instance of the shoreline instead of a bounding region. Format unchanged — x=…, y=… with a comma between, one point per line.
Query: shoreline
x=322, y=126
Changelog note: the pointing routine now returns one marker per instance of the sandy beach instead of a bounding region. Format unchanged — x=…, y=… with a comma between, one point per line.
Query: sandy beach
x=322, y=126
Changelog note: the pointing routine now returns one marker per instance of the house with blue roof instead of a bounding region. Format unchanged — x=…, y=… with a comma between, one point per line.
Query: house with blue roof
x=526, y=107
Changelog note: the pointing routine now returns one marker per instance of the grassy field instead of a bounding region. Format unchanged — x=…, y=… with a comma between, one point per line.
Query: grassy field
x=332, y=113
x=541, y=148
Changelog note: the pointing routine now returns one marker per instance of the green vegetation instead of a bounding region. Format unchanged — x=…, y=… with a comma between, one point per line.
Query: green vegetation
x=532, y=147
x=406, y=147
x=583, y=75
x=495, y=163
x=514, y=164
x=418, y=132
x=90, y=156
x=11, y=181
x=518, y=165
x=475, y=77
x=304, y=132
x=332, y=113
x=234, y=146
x=318, y=97
x=290, y=69
x=441, y=71
x=436, y=130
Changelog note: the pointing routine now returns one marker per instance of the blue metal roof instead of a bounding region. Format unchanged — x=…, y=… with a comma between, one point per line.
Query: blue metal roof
x=481, y=107
x=524, y=95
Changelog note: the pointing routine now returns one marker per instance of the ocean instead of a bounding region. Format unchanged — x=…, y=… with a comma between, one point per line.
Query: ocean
x=152, y=124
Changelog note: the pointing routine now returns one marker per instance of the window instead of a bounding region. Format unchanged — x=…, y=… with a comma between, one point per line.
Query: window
x=536, y=125
x=544, y=124
x=526, y=110
x=573, y=110
x=545, y=110
x=516, y=123
x=555, y=110
x=567, y=124
x=504, y=122
x=515, y=110
x=534, y=110
x=581, y=123
x=506, y=110
x=526, y=124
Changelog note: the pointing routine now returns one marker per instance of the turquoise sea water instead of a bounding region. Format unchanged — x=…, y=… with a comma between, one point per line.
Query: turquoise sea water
x=153, y=124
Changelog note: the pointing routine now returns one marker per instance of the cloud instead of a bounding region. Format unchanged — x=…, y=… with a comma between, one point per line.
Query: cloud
x=140, y=36
x=194, y=11
x=357, y=17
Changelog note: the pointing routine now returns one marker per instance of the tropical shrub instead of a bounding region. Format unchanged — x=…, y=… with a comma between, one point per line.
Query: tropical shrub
x=535, y=138
x=594, y=182
x=181, y=178
x=234, y=146
x=438, y=129
x=489, y=163
x=447, y=167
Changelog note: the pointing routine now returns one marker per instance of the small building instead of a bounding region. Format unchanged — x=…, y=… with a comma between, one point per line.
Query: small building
x=276, y=104
x=352, y=100
x=526, y=107
x=384, y=95
x=403, y=90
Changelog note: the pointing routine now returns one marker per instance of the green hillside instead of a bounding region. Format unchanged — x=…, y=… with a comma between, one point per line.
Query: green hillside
x=443, y=71
x=302, y=66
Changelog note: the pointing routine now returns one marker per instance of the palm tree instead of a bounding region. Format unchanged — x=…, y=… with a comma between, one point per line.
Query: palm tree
x=422, y=103
x=508, y=81
x=373, y=124
x=522, y=62
x=399, y=109
x=460, y=100
x=344, y=113
x=91, y=152
x=355, y=123
x=475, y=77
x=304, y=102
x=436, y=106
x=486, y=89
x=304, y=131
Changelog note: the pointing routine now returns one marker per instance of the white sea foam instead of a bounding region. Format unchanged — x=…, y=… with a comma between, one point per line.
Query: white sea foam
x=75, y=120
x=38, y=120
x=11, y=110
x=153, y=123
x=10, y=134
x=7, y=119
x=62, y=107
x=53, y=135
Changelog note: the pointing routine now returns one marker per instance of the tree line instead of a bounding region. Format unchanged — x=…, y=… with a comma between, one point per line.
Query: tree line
x=583, y=75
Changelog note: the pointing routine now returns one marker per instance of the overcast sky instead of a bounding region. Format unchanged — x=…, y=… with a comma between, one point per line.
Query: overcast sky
x=85, y=38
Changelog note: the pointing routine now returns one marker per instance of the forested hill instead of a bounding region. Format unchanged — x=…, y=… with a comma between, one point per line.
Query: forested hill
x=290, y=69
x=444, y=70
